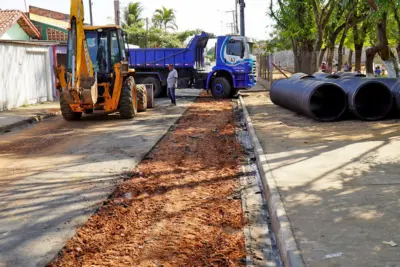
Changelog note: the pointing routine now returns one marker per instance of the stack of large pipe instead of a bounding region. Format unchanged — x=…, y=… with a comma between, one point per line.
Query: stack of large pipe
x=325, y=97
x=320, y=100
x=392, y=83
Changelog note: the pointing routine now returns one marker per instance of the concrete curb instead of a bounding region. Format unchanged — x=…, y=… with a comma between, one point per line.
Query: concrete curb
x=29, y=120
x=281, y=226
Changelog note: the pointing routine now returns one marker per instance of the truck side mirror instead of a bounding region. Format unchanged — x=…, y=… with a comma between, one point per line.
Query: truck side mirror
x=241, y=50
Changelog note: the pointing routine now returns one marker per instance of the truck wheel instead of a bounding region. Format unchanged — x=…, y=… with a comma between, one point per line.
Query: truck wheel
x=156, y=85
x=221, y=88
x=128, y=99
x=150, y=98
x=66, y=111
x=142, y=97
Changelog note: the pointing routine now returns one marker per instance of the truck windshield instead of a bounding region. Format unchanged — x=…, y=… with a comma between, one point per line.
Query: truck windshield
x=234, y=47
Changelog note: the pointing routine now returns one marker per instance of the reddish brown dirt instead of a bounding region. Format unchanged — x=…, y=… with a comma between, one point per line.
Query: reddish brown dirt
x=178, y=209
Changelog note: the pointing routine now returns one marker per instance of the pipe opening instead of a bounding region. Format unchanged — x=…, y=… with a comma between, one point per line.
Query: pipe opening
x=328, y=102
x=373, y=101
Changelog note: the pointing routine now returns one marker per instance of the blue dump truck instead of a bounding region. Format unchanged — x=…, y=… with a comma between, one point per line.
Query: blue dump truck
x=235, y=66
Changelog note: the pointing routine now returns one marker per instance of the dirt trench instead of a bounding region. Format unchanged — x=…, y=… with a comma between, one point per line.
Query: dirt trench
x=179, y=208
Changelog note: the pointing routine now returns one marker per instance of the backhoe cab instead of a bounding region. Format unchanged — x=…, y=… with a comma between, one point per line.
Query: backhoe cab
x=97, y=78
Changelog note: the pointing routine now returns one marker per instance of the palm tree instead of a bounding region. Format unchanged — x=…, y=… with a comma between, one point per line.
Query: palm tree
x=132, y=13
x=165, y=18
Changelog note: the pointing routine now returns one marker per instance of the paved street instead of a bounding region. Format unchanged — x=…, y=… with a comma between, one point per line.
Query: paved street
x=339, y=183
x=56, y=173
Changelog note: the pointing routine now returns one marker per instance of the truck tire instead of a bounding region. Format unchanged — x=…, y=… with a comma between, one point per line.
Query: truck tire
x=221, y=88
x=66, y=111
x=142, y=97
x=150, y=97
x=156, y=85
x=128, y=99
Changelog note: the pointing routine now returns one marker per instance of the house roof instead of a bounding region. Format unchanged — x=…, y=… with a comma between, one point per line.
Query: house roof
x=10, y=17
x=50, y=21
x=48, y=13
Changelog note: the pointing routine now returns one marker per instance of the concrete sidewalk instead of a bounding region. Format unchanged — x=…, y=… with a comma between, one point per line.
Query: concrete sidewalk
x=339, y=184
x=24, y=115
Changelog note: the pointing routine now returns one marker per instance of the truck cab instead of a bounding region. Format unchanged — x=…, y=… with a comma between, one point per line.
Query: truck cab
x=235, y=67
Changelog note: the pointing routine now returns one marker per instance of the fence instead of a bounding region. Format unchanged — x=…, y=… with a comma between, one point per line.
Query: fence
x=26, y=74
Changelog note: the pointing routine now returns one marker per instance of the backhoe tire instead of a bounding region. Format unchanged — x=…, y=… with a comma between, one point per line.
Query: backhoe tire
x=157, y=88
x=128, y=99
x=221, y=88
x=66, y=111
x=142, y=97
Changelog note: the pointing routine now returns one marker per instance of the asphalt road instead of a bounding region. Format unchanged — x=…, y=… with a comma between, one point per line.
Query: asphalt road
x=55, y=174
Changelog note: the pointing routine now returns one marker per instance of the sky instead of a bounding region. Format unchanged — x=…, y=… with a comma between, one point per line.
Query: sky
x=208, y=15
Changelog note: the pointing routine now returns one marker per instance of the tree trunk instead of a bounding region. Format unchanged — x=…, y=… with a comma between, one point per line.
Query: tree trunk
x=369, y=63
x=341, y=44
x=315, y=52
x=302, y=57
x=340, y=58
x=383, y=50
x=398, y=51
x=321, y=56
x=358, y=48
x=350, y=59
x=329, y=58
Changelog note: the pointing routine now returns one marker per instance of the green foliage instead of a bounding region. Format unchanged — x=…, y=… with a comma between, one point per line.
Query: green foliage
x=277, y=42
x=157, y=35
x=294, y=19
x=182, y=36
x=157, y=38
x=132, y=14
x=164, y=18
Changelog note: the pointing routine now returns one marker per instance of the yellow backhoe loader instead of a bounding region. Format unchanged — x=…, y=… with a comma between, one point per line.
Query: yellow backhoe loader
x=97, y=78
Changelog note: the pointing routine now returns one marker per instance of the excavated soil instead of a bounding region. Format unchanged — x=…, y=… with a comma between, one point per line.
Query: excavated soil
x=181, y=206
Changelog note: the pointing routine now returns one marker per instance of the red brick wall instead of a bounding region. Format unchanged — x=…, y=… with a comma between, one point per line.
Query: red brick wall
x=48, y=13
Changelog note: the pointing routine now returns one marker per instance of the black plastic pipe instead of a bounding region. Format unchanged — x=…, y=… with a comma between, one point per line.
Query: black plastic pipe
x=394, y=86
x=344, y=74
x=300, y=76
x=324, y=75
x=392, y=83
x=320, y=100
x=368, y=99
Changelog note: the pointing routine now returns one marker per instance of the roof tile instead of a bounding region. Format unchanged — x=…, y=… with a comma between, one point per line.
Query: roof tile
x=9, y=17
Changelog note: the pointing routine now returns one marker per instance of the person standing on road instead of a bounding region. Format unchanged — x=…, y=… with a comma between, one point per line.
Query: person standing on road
x=171, y=83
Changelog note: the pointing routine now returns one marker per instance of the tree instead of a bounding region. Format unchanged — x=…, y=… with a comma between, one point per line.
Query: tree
x=322, y=14
x=396, y=13
x=294, y=21
x=381, y=11
x=165, y=18
x=132, y=14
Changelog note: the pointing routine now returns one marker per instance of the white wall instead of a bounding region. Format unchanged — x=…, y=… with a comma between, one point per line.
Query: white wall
x=15, y=32
x=25, y=75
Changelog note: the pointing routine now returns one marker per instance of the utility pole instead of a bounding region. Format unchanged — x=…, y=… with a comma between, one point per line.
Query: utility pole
x=116, y=12
x=90, y=12
x=236, y=16
x=233, y=24
x=147, y=31
x=242, y=28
